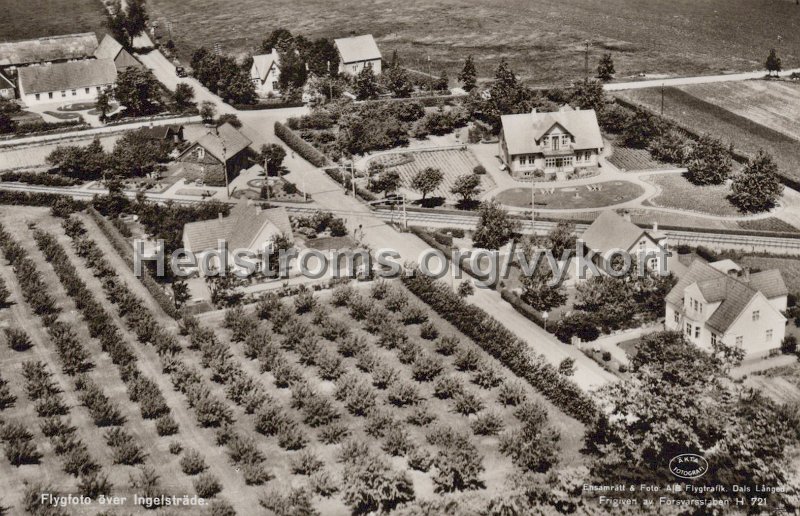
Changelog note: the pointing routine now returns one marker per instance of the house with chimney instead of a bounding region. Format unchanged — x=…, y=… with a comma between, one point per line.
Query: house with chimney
x=721, y=303
x=358, y=52
x=265, y=74
x=221, y=151
x=540, y=145
x=247, y=227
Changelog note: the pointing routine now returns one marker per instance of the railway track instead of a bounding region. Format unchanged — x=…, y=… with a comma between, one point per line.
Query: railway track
x=726, y=241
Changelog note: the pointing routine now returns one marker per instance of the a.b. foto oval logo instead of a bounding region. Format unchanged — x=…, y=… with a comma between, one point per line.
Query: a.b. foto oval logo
x=688, y=465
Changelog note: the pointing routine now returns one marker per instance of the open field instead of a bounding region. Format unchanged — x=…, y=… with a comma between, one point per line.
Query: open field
x=35, y=156
x=24, y=19
x=452, y=163
x=543, y=40
x=775, y=104
x=608, y=193
x=700, y=116
x=268, y=398
x=678, y=192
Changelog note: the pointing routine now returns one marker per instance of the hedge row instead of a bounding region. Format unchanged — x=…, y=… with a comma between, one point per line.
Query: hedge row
x=33, y=178
x=300, y=146
x=524, y=308
x=337, y=175
x=125, y=250
x=499, y=342
x=279, y=104
x=37, y=199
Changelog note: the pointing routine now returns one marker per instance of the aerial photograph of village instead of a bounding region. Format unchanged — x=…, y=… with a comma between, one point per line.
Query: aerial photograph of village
x=368, y=257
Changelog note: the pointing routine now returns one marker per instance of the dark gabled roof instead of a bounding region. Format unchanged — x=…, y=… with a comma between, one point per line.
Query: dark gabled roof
x=109, y=48
x=7, y=81
x=67, y=76
x=52, y=48
x=733, y=293
x=225, y=141
x=162, y=132
x=239, y=229
x=770, y=283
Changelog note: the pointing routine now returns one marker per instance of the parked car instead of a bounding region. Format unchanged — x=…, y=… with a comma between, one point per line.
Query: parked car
x=180, y=71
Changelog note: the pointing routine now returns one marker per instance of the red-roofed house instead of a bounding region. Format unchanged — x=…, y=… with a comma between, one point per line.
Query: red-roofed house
x=542, y=144
x=245, y=228
x=716, y=304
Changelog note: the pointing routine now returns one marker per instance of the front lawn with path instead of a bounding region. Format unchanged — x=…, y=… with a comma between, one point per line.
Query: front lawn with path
x=679, y=193
x=608, y=193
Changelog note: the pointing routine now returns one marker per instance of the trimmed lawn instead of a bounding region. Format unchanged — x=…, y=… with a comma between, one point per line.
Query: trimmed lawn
x=678, y=192
x=609, y=193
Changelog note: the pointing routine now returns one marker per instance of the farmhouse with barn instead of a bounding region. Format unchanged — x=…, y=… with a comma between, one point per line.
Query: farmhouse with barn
x=73, y=81
x=112, y=49
x=535, y=144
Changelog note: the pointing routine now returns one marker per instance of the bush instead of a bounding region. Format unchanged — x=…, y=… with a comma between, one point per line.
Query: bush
x=446, y=345
x=488, y=423
x=322, y=483
x=175, y=448
x=396, y=441
x=192, y=463
x=402, y=394
x=487, y=377
x=511, y=393
x=297, y=144
x=789, y=345
x=306, y=463
x=467, y=403
x=383, y=376
x=426, y=367
x=297, y=501
x=352, y=345
x=428, y=331
x=420, y=416
x=479, y=169
x=18, y=340
x=414, y=314
x=606, y=356
x=447, y=387
x=467, y=359
x=334, y=433
x=166, y=425
x=207, y=486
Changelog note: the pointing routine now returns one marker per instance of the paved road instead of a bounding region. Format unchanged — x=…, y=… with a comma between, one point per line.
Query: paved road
x=700, y=79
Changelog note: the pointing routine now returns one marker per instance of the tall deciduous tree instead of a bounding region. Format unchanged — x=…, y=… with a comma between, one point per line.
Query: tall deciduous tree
x=589, y=94
x=103, y=104
x=537, y=291
x=495, y=227
x=273, y=155
x=427, y=180
x=757, y=188
x=397, y=81
x=710, y=162
x=183, y=96
x=468, y=186
x=468, y=75
x=605, y=69
x=137, y=89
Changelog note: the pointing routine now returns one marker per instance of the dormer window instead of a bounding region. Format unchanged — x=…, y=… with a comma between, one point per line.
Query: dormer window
x=564, y=139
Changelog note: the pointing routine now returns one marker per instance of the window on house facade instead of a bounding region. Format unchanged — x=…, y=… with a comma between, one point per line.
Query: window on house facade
x=554, y=141
x=37, y=96
x=739, y=341
x=677, y=317
x=63, y=93
x=523, y=159
x=274, y=85
x=696, y=332
x=74, y=92
x=98, y=89
x=769, y=335
x=550, y=163
x=564, y=139
x=713, y=339
x=756, y=315
x=201, y=153
x=689, y=329
x=695, y=305
x=50, y=94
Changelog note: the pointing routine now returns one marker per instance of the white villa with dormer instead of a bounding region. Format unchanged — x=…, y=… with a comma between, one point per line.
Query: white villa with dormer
x=265, y=73
x=539, y=145
x=722, y=303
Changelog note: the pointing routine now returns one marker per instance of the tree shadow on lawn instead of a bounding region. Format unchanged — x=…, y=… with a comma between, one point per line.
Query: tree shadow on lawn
x=430, y=202
x=468, y=205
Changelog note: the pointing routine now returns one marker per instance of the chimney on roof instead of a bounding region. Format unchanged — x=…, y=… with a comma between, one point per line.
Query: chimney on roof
x=655, y=227
x=258, y=209
x=533, y=111
x=221, y=216
x=746, y=273
x=626, y=215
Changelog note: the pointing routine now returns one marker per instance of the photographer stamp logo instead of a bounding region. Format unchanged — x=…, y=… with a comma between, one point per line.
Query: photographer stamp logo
x=688, y=465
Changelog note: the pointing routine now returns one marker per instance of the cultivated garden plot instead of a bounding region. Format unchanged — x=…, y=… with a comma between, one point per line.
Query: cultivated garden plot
x=452, y=163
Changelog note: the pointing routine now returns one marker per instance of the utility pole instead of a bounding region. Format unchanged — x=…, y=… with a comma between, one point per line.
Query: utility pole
x=266, y=178
x=225, y=169
x=662, y=98
x=430, y=76
x=586, y=62
x=353, y=177
x=330, y=83
x=405, y=214
x=533, y=205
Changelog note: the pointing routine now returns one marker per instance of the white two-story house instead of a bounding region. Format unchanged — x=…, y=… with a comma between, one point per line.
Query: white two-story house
x=718, y=303
x=539, y=145
x=265, y=73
